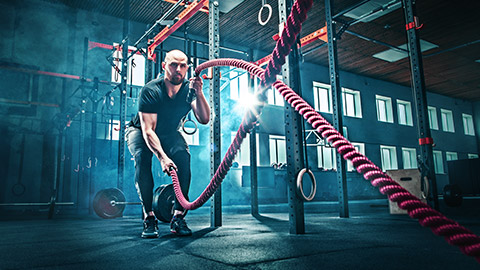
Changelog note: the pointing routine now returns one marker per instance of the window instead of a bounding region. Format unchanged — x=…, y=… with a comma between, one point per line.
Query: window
x=409, y=156
x=468, y=124
x=451, y=156
x=274, y=97
x=438, y=162
x=404, y=113
x=352, y=105
x=432, y=117
x=278, y=153
x=360, y=147
x=243, y=154
x=136, y=67
x=238, y=84
x=447, y=120
x=322, y=96
x=326, y=158
x=389, y=157
x=114, y=129
x=384, y=109
x=472, y=156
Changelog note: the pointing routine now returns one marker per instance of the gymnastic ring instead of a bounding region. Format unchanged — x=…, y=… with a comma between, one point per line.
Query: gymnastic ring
x=425, y=188
x=187, y=132
x=262, y=23
x=18, y=189
x=300, y=184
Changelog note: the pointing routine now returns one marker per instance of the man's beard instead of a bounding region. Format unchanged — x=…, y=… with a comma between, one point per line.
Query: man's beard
x=176, y=81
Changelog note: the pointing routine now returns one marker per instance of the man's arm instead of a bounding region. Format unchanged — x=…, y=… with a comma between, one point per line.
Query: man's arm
x=148, y=123
x=200, y=105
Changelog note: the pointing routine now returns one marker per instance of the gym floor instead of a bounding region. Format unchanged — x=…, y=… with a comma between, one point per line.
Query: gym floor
x=370, y=239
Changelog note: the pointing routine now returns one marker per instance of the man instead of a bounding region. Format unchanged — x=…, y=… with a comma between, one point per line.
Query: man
x=162, y=104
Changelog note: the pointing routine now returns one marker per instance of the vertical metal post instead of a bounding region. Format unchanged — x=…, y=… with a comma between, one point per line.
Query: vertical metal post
x=293, y=132
x=253, y=154
x=420, y=98
x=149, y=69
x=336, y=106
x=81, y=199
x=123, y=96
x=186, y=45
x=215, y=134
x=150, y=64
x=93, y=144
x=60, y=165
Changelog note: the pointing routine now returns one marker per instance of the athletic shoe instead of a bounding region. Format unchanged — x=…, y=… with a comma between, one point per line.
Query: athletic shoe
x=179, y=227
x=150, y=227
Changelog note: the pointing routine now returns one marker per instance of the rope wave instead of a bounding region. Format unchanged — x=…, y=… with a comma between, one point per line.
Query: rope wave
x=454, y=233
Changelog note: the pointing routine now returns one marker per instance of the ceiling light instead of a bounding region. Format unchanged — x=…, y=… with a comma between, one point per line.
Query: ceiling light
x=373, y=9
x=393, y=55
x=227, y=5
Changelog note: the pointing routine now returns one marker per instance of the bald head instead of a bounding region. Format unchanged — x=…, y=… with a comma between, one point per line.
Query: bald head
x=176, y=55
x=175, y=66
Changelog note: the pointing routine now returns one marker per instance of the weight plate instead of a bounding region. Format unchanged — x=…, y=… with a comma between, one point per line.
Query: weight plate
x=103, y=206
x=452, y=195
x=163, y=200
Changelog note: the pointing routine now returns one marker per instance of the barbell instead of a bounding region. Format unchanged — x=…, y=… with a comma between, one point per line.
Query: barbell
x=51, y=205
x=110, y=203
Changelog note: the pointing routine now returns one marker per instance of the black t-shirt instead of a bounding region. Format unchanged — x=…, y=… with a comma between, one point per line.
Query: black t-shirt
x=153, y=98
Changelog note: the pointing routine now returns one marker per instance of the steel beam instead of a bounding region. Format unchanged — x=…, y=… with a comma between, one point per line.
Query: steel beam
x=183, y=17
x=82, y=200
x=93, y=144
x=293, y=132
x=420, y=99
x=336, y=106
x=253, y=156
x=123, y=96
x=215, y=131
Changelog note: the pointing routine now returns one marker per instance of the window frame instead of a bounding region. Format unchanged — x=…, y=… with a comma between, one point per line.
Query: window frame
x=408, y=112
x=392, y=157
x=276, y=139
x=448, y=156
x=468, y=126
x=472, y=156
x=316, y=97
x=321, y=164
x=432, y=117
x=412, y=158
x=357, y=102
x=388, y=112
x=439, y=167
x=448, y=124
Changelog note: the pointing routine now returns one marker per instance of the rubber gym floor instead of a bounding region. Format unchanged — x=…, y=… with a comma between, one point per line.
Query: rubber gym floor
x=370, y=238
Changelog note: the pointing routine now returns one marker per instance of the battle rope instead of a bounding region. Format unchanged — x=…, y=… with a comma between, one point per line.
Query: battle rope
x=453, y=232
x=288, y=37
x=247, y=124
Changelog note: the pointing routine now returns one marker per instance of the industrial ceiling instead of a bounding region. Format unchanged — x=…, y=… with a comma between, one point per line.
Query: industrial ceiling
x=370, y=46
